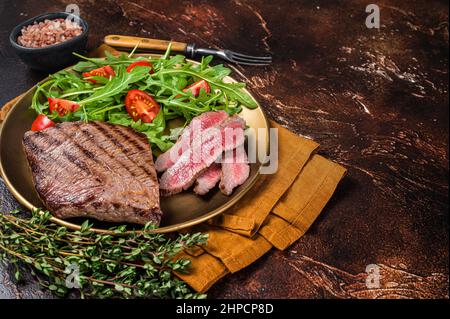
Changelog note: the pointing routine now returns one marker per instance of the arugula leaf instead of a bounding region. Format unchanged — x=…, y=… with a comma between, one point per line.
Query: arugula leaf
x=104, y=100
x=234, y=90
x=117, y=84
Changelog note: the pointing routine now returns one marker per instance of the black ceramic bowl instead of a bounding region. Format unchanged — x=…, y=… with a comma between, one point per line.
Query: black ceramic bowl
x=53, y=57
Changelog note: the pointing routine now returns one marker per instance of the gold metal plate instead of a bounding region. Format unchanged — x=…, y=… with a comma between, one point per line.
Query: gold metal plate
x=180, y=211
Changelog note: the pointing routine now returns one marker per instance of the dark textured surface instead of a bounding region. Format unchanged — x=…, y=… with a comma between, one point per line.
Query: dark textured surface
x=376, y=101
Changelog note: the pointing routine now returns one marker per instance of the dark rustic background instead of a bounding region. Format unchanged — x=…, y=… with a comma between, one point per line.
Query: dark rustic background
x=376, y=101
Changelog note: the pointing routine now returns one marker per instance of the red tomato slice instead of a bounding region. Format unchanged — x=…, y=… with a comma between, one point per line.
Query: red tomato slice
x=140, y=63
x=196, y=86
x=141, y=105
x=41, y=123
x=62, y=106
x=105, y=71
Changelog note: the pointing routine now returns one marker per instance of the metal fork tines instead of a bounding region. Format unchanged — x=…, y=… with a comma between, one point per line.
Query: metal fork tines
x=245, y=59
x=235, y=57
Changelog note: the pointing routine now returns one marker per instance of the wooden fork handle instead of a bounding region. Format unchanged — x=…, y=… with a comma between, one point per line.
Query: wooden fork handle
x=129, y=42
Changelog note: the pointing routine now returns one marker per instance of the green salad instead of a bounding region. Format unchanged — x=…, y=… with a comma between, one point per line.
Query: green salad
x=139, y=92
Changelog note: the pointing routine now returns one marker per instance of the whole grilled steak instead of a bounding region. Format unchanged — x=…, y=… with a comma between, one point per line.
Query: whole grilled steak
x=96, y=170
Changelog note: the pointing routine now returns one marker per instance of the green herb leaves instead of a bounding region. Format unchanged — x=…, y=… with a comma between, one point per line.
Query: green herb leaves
x=127, y=265
x=116, y=85
x=233, y=90
x=104, y=100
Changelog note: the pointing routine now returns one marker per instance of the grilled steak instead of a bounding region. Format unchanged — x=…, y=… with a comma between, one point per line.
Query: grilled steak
x=235, y=170
x=197, y=126
x=96, y=170
x=204, y=150
x=208, y=179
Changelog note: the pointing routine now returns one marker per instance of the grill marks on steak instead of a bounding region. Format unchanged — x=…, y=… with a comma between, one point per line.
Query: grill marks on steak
x=95, y=170
x=63, y=167
x=197, y=126
x=205, y=149
x=124, y=148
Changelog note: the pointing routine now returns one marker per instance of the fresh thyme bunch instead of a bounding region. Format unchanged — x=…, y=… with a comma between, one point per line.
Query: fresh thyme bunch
x=126, y=265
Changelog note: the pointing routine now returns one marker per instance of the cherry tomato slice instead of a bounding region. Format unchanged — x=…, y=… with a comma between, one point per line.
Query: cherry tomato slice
x=140, y=105
x=140, y=63
x=41, y=123
x=105, y=71
x=195, y=87
x=63, y=107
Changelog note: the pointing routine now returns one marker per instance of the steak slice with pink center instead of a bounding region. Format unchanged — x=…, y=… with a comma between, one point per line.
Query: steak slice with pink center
x=205, y=149
x=196, y=127
x=235, y=170
x=208, y=179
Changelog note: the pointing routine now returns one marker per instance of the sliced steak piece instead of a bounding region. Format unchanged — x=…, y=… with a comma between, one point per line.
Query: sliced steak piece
x=208, y=179
x=197, y=126
x=96, y=170
x=235, y=170
x=204, y=150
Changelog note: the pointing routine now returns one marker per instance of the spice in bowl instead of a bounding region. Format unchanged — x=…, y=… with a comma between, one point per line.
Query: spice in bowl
x=48, y=32
x=47, y=42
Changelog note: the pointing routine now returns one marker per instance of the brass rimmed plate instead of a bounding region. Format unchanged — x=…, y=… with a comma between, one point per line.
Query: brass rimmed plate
x=180, y=211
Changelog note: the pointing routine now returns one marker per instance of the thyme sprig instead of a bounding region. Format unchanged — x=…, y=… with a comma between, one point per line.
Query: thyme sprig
x=123, y=264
